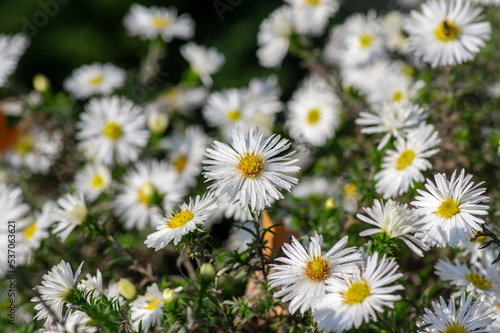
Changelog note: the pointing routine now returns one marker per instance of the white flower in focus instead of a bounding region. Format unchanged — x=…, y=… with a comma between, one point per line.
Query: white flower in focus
x=112, y=130
x=190, y=217
x=92, y=180
x=360, y=298
x=451, y=209
x=148, y=308
x=306, y=272
x=447, y=32
x=146, y=191
x=313, y=113
x=94, y=79
x=397, y=221
x=393, y=119
x=149, y=23
x=470, y=317
x=274, y=35
x=56, y=287
x=69, y=214
x=251, y=166
x=203, y=61
x=311, y=16
x=403, y=166
x=11, y=49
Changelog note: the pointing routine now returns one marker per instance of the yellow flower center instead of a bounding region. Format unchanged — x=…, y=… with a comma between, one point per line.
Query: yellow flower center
x=96, y=80
x=350, y=190
x=357, y=293
x=317, y=269
x=448, y=208
x=313, y=116
x=397, y=96
x=146, y=193
x=97, y=181
x=365, y=40
x=24, y=145
x=180, y=163
x=29, y=231
x=405, y=159
x=233, y=115
x=454, y=328
x=478, y=281
x=447, y=31
x=112, y=130
x=153, y=305
x=408, y=70
x=160, y=22
x=312, y=2
x=179, y=219
x=251, y=165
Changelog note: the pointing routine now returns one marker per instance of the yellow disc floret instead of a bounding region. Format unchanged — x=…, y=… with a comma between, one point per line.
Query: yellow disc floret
x=97, y=181
x=160, y=22
x=365, y=40
x=405, y=159
x=29, y=231
x=112, y=130
x=233, y=115
x=180, y=163
x=313, y=116
x=398, y=95
x=454, y=328
x=180, y=218
x=312, y=2
x=96, y=80
x=357, y=293
x=153, y=303
x=146, y=193
x=447, y=31
x=317, y=269
x=24, y=145
x=448, y=208
x=250, y=164
x=478, y=280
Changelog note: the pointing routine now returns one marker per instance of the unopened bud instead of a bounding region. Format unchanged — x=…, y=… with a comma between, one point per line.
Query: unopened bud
x=157, y=122
x=207, y=272
x=41, y=83
x=127, y=289
x=330, y=204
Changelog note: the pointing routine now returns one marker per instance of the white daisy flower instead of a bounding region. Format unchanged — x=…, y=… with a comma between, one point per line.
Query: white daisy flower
x=185, y=152
x=149, y=23
x=263, y=98
x=12, y=48
x=393, y=24
x=94, y=79
x=36, y=228
x=203, y=61
x=274, y=35
x=450, y=209
x=74, y=322
x=305, y=273
x=402, y=167
x=350, y=198
x=92, y=284
x=397, y=221
x=56, y=287
x=69, y=214
x=190, y=217
x=393, y=119
x=36, y=150
x=447, y=32
x=251, y=166
x=368, y=78
x=312, y=16
x=445, y=318
x=11, y=206
x=360, y=298
x=313, y=113
x=183, y=99
x=92, y=180
x=146, y=191
x=148, y=308
x=318, y=187
x=112, y=130
x=229, y=110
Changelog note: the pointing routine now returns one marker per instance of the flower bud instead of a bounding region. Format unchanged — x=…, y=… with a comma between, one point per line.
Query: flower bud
x=157, y=122
x=41, y=83
x=127, y=289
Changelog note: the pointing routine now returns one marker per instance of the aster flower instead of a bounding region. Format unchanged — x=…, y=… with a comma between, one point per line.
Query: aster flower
x=94, y=79
x=182, y=99
x=147, y=308
x=312, y=16
x=262, y=97
x=450, y=209
x=56, y=287
x=69, y=214
x=203, y=61
x=36, y=228
x=447, y=32
x=92, y=180
x=313, y=113
x=470, y=317
x=396, y=220
x=251, y=166
x=360, y=298
x=112, y=130
x=92, y=284
x=402, y=167
x=149, y=23
x=274, y=35
x=190, y=217
x=393, y=119
x=12, y=48
x=146, y=191
x=305, y=273
x=11, y=206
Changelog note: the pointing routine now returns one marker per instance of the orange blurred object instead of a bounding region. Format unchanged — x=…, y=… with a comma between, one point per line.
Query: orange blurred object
x=8, y=136
x=280, y=236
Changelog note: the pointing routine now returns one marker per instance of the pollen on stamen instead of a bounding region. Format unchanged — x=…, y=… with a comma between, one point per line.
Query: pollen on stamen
x=317, y=269
x=250, y=164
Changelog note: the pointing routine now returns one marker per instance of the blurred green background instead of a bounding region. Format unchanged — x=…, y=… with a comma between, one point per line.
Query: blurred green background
x=66, y=34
